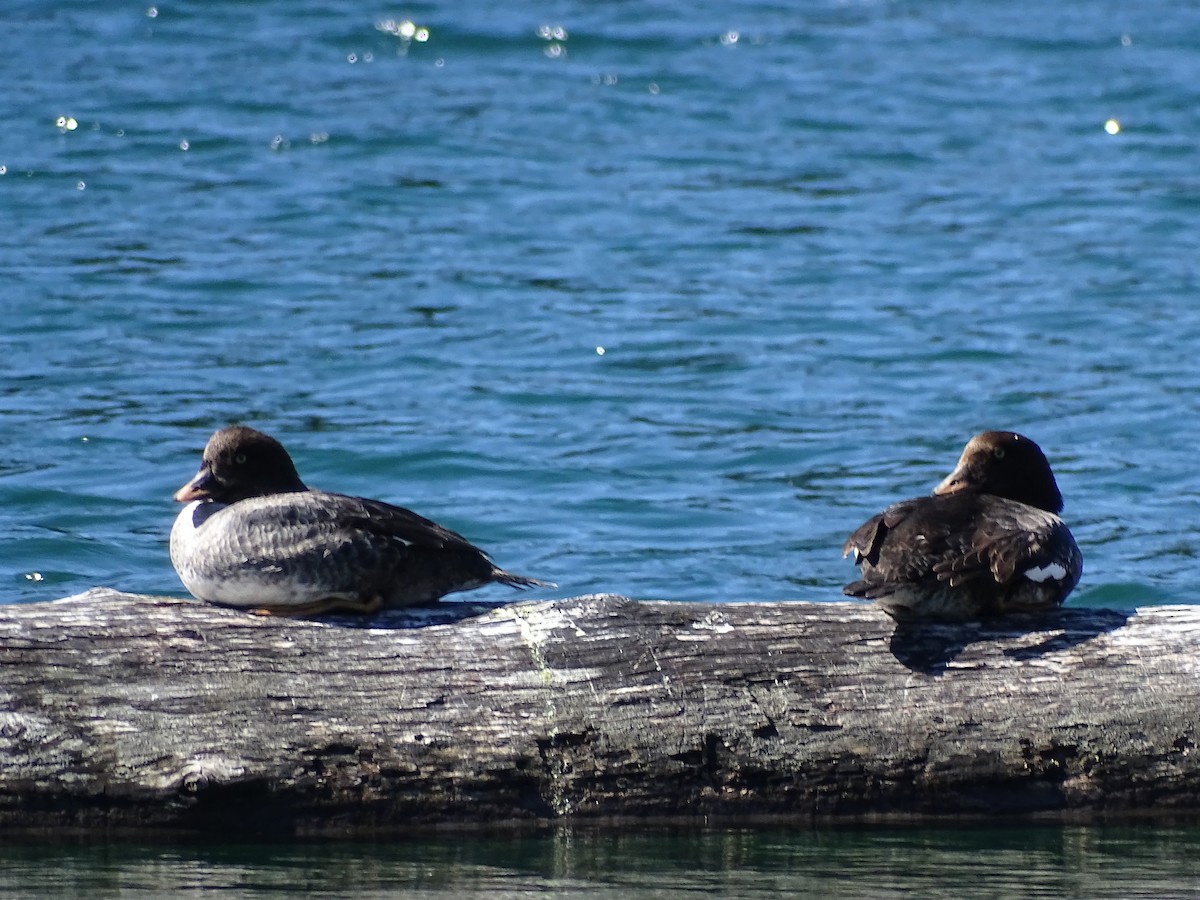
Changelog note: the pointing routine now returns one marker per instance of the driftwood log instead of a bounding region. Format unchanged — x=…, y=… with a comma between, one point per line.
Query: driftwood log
x=123, y=714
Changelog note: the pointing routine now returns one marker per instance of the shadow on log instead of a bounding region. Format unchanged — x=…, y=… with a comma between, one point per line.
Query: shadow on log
x=131, y=715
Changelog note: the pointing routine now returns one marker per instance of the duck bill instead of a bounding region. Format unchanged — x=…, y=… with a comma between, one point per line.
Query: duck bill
x=958, y=480
x=199, y=488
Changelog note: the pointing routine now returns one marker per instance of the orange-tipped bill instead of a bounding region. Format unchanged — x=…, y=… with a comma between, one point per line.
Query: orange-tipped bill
x=199, y=488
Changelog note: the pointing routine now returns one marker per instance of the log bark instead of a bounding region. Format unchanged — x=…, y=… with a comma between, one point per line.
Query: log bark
x=123, y=714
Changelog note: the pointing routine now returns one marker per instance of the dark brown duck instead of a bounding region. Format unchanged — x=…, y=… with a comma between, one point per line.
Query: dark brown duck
x=987, y=542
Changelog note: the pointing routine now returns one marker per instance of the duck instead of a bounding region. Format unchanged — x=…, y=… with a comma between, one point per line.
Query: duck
x=253, y=535
x=987, y=542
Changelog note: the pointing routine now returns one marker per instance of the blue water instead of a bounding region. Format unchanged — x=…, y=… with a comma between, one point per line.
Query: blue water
x=661, y=299
x=657, y=299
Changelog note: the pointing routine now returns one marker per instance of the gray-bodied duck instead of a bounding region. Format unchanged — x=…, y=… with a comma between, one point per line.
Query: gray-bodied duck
x=987, y=542
x=254, y=535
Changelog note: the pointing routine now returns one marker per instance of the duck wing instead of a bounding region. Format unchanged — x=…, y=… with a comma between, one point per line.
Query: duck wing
x=1010, y=541
x=301, y=521
x=900, y=547
x=395, y=522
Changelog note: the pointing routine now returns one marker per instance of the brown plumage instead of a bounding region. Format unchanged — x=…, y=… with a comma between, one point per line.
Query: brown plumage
x=987, y=542
x=254, y=535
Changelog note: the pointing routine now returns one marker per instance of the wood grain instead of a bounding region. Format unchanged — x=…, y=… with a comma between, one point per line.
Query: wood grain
x=123, y=714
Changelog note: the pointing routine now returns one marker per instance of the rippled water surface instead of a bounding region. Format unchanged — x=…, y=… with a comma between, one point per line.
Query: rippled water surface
x=1045, y=863
x=654, y=298
x=661, y=298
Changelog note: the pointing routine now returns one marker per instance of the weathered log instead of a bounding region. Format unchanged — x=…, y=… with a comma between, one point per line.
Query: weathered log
x=128, y=714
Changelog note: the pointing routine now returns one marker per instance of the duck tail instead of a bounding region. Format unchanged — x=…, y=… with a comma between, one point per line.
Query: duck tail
x=520, y=582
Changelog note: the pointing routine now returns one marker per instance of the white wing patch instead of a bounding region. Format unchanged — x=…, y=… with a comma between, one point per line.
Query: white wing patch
x=1044, y=573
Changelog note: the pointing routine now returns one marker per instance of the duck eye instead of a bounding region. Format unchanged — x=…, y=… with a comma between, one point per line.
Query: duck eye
x=998, y=453
x=240, y=459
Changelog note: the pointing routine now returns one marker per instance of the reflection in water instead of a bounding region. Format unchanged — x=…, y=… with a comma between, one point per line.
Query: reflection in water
x=1029, y=862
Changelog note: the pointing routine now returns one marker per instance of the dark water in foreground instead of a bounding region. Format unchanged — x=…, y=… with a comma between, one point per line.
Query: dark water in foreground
x=654, y=298
x=1033, y=862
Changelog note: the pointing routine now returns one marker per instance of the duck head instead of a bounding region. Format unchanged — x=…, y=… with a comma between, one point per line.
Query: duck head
x=239, y=462
x=1005, y=464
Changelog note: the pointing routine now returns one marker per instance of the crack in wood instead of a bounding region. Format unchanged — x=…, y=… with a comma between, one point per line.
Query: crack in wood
x=121, y=713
